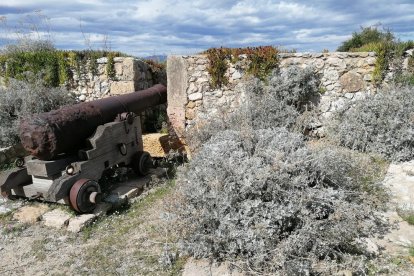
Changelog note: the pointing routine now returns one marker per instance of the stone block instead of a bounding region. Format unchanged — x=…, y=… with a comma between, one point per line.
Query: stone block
x=368, y=77
x=191, y=104
x=370, y=61
x=331, y=75
x=102, y=60
x=30, y=214
x=195, y=96
x=122, y=87
x=236, y=75
x=336, y=62
x=352, y=82
x=130, y=70
x=177, y=81
x=76, y=224
x=56, y=218
x=118, y=69
x=190, y=114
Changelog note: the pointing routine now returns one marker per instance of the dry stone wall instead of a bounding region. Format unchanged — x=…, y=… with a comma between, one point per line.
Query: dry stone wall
x=191, y=99
x=130, y=74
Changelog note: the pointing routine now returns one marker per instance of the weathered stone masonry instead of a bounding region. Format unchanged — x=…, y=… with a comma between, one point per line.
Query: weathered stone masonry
x=344, y=77
x=131, y=74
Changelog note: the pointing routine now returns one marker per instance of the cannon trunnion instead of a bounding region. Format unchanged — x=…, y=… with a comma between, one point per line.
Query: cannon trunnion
x=72, y=177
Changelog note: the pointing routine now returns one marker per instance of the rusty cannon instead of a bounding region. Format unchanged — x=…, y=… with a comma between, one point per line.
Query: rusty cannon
x=70, y=148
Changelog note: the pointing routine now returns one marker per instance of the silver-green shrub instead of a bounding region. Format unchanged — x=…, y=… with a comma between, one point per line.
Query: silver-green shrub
x=262, y=196
x=382, y=123
x=277, y=205
x=19, y=99
x=284, y=100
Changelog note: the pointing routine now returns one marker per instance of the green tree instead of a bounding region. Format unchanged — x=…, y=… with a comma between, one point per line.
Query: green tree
x=365, y=36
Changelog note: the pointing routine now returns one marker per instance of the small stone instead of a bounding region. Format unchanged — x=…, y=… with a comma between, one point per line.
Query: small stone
x=195, y=96
x=197, y=74
x=191, y=104
x=30, y=214
x=122, y=87
x=349, y=95
x=192, y=88
x=336, y=62
x=82, y=98
x=338, y=104
x=236, y=75
x=359, y=96
x=330, y=87
x=318, y=63
x=325, y=104
x=202, y=80
x=370, y=60
x=102, y=60
x=4, y=210
x=368, y=77
x=76, y=224
x=56, y=218
x=331, y=75
x=201, y=61
x=190, y=114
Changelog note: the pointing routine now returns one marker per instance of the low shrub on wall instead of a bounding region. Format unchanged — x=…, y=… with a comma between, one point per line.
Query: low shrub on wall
x=262, y=60
x=389, y=50
x=53, y=66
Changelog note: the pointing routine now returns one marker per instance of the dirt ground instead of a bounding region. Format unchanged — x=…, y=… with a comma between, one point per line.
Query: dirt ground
x=159, y=145
x=127, y=242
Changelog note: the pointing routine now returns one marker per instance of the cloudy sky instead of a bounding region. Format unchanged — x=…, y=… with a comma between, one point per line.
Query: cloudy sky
x=150, y=27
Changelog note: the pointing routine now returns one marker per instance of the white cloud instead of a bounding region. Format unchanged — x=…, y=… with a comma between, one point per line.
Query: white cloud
x=163, y=26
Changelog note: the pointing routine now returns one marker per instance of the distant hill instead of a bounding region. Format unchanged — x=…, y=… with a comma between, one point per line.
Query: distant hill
x=157, y=58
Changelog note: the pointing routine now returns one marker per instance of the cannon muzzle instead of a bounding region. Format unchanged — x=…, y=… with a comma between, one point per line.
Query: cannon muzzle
x=65, y=130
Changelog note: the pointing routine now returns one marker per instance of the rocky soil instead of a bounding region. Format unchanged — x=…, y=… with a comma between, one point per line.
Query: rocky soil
x=125, y=242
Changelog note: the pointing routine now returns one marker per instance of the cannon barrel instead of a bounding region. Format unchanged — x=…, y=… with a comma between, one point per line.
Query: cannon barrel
x=65, y=130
